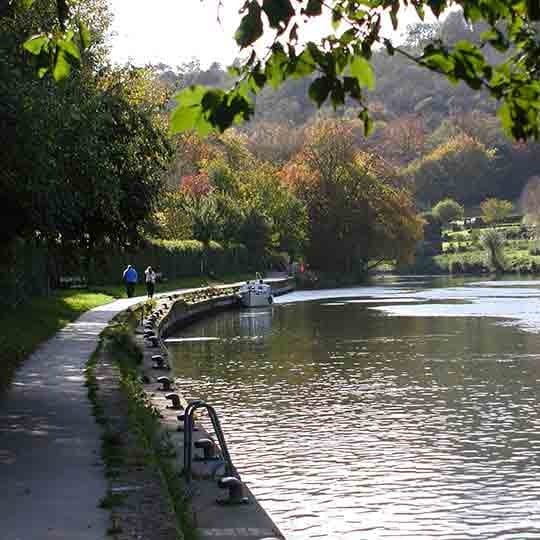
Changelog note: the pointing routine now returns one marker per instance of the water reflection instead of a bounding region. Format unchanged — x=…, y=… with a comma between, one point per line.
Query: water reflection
x=351, y=423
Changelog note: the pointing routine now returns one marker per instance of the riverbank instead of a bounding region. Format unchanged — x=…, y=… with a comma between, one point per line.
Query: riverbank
x=49, y=438
x=228, y=521
x=27, y=326
x=516, y=262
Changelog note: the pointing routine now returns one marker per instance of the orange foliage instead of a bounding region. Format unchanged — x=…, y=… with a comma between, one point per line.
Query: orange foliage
x=196, y=185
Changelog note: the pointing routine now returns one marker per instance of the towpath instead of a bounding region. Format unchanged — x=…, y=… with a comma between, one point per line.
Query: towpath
x=50, y=471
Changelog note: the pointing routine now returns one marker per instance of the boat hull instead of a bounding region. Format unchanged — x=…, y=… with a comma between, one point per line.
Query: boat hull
x=255, y=299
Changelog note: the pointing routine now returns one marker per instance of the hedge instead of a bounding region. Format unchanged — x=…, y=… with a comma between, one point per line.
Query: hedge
x=174, y=259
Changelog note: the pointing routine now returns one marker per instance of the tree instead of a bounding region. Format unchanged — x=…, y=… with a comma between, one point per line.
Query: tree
x=341, y=61
x=447, y=210
x=495, y=210
x=92, y=178
x=356, y=217
x=461, y=168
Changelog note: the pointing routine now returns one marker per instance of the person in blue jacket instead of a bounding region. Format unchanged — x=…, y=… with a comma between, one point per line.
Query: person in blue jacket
x=130, y=278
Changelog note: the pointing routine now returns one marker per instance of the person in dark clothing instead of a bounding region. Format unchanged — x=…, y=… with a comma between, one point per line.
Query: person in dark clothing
x=130, y=278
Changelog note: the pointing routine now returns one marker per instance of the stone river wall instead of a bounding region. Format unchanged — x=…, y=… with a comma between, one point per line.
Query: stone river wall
x=225, y=521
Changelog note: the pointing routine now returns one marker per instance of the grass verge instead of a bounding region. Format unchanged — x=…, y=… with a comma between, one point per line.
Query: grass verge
x=28, y=325
x=118, y=344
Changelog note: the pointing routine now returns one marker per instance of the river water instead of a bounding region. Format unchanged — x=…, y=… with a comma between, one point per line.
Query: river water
x=404, y=409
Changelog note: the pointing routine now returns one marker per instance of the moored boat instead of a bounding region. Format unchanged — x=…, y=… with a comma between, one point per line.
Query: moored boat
x=255, y=294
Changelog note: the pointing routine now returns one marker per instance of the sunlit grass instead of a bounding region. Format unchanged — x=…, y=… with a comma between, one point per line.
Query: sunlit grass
x=25, y=327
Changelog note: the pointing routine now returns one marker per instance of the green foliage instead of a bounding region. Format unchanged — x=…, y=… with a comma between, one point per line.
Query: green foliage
x=256, y=235
x=94, y=177
x=448, y=210
x=174, y=259
x=495, y=210
x=493, y=242
x=342, y=60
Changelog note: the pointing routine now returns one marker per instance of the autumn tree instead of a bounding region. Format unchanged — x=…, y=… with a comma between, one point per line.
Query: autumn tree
x=355, y=219
x=461, y=168
x=404, y=138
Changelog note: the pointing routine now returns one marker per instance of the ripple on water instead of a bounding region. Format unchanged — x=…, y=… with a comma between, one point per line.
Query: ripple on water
x=349, y=425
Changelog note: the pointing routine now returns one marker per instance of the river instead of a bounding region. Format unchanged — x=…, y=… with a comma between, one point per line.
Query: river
x=404, y=409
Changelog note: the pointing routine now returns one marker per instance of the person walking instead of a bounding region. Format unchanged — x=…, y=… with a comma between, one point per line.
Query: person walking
x=130, y=278
x=150, y=281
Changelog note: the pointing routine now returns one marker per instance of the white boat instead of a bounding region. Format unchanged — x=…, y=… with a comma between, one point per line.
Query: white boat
x=255, y=294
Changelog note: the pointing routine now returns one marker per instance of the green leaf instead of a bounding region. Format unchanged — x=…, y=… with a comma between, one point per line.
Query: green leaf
x=62, y=67
x=303, y=65
x=188, y=114
x=251, y=27
x=496, y=39
x=319, y=90
x=70, y=48
x=505, y=117
x=313, y=8
x=279, y=12
x=35, y=45
x=337, y=16
x=276, y=66
x=361, y=70
x=84, y=35
x=351, y=86
x=439, y=61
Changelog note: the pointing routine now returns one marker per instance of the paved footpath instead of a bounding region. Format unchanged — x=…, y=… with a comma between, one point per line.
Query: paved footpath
x=51, y=477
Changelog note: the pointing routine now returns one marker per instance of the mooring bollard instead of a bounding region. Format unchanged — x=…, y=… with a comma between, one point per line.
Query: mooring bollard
x=175, y=401
x=236, y=490
x=165, y=383
x=158, y=362
x=209, y=450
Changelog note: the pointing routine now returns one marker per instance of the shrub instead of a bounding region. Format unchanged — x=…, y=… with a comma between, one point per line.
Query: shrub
x=493, y=241
x=513, y=233
x=448, y=210
x=455, y=267
x=461, y=237
x=496, y=210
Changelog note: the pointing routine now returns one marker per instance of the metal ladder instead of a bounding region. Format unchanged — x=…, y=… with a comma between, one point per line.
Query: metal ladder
x=188, y=438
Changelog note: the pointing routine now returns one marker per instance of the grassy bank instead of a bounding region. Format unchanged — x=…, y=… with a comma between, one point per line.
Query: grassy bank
x=145, y=438
x=25, y=327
